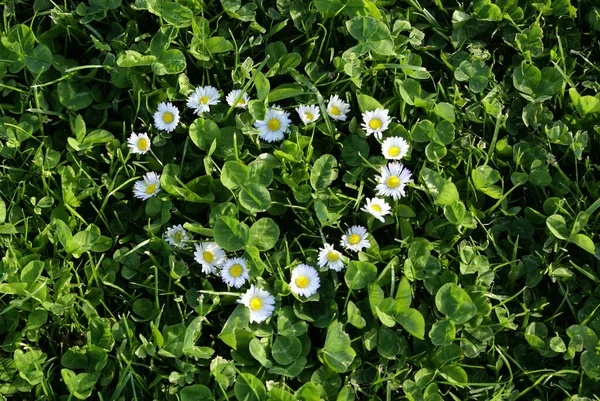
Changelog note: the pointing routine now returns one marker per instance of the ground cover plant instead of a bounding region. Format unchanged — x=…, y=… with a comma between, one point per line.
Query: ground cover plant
x=299, y=200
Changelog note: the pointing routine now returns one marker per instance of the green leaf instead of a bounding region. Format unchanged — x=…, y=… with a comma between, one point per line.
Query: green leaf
x=455, y=374
x=74, y=96
x=234, y=174
x=412, y=321
x=445, y=111
x=196, y=392
x=176, y=14
x=368, y=29
x=131, y=58
x=403, y=294
x=170, y=62
x=39, y=59
x=286, y=349
x=354, y=316
x=218, y=44
x=203, y=132
x=530, y=40
x=367, y=103
x=262, y=86
x=258, y=350
x=590, y=361
x=352, y=148
x=388, y=343
x=248, y=388
x=455, y=303
x=285, y=91
x=337, y=353
x=584, y=242
x=255, y=198
x=557, y=226
x=288, y=324
x=324, y=172
x=443, y=332
x=2, y=211
x=230, y=234
x=264, y=234
x=359, y=274
x=442, y=190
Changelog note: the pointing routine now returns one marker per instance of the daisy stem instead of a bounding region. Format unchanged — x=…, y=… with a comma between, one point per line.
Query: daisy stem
x=156, y=157
x=185, y=147
x=234, y=294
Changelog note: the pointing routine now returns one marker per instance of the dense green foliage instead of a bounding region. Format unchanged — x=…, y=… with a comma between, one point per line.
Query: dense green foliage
x=481, y=285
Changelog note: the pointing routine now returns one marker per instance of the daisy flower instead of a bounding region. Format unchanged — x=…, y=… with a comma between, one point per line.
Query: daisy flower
x=202, y=98
x=331, y=258
x=209, y=255
x=394, y=148
x=355, y=239
x=376, y=121
x=274, y=126
x=308, y=114
x=242, y=103
x=148, y=187
x=337, y=108
x=260, y=303
x=177, y=236
x=377, y=207
x=234, y=272
x=393, y=180
x=138, y=143
x=166, y=117
x=305, y=280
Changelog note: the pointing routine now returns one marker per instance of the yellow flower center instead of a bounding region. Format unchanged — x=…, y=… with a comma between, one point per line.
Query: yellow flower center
x=334, y=110
x=242, y=102
x=236, y=270
x=354, y=239
x=208, y=256
x=375, y=123
x=178, y=236
x=376, y=208
x=273, y=124
x=394, y=151
x=308, y=116
x=393, y=182
x=302, y=282
x=256, y=303
x=150, y=189
x=143, y=144
x=168, y=117
x=204, y=99
x=333, y=256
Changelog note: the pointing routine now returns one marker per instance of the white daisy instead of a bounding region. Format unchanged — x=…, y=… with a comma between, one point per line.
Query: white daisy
x=202, y=98
x=377, y=207
x=234, y=94
x=148, y=187
x=394, y=148
x=331, y=258
x=337, y=108
x=308, y=114
x=393, y=180
x=234, y=272
x=355, y=239
x=274, y=126
x=305, y=280
x=209, y=255
x=138, y=143
x=376, y=121
x=166, y=117
x=260, y=303
x=177, y=236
